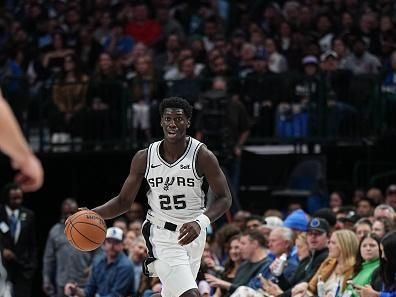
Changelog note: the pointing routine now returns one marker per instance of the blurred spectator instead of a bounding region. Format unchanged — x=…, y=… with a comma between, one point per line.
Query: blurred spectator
x=346, y=218
x=137, y=254
x=270, y=223
x=297, y=221
x=232, y=126
x=363, y=227
x=169, y=25
x=112, y=273
x=375, y=195
x=361, y=61
x=136, y=227
x=328, y=215
x=341, y=49
x=220, y=245
x=18, y=241
x=390, y=197
x=121, y=223
x=118, y=44
x=381, y=226
x=365, y=208
x=167, y=59
x=254, y=222
x=136, y=212
x=103, y=30
x=69, y=98
x=142, y=28
x=240, y=218
x=273, y=213
x=276, y=62
x=384, y=211
x=104, y=102
x=88, y=49
x=336, y=200
x=62, y=263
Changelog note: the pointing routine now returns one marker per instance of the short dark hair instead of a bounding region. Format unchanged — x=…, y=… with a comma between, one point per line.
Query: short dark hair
x=176, y=102
x=256, y=235
x=6, y=191
x=255, y=218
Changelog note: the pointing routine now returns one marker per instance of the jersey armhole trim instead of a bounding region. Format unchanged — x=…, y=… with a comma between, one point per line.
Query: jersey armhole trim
x=148, y=163
x=194, y=162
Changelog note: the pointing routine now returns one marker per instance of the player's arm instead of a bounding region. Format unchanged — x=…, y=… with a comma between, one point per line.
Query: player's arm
x=123, y=201
x=210, y=168
x=13, y=144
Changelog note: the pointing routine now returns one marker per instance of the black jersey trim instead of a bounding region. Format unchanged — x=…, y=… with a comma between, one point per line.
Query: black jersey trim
x=148, y=161
x=194, y=161
x=170, y=165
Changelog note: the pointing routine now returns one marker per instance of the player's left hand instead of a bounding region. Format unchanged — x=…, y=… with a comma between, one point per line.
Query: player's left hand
x=188, y=232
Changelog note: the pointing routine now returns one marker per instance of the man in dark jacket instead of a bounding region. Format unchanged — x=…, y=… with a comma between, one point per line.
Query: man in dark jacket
x=18, y=239
x=317, y=236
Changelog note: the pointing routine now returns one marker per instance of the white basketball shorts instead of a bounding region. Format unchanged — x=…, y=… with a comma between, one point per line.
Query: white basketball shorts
x=176, y=266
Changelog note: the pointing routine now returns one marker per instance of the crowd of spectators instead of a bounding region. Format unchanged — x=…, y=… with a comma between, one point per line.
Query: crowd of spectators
x=96, y=70
x=348, y=247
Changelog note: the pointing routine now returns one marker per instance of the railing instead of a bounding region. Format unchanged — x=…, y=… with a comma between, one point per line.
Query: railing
x=285, y=108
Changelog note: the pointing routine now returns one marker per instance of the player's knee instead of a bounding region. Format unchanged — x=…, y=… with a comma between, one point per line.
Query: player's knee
x=191, y=293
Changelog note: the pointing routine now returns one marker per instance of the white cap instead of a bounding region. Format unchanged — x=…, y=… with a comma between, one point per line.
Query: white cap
x=114, y=233
x=272, y=222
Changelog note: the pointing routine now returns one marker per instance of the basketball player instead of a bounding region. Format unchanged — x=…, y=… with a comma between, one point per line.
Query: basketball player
x=13, y=144
x=175, y=226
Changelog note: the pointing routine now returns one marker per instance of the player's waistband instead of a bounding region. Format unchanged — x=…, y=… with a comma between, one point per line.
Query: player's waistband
x=163, y=224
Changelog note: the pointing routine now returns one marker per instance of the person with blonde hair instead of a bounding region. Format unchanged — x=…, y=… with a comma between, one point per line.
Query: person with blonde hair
x=336, y=269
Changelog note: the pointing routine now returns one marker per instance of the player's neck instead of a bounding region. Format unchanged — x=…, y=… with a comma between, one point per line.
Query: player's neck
x=173, y=151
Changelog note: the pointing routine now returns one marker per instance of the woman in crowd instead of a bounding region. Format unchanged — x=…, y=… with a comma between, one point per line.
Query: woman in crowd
x=230, y=268
x=336, y=269
x=387, y=270
x=367, y=261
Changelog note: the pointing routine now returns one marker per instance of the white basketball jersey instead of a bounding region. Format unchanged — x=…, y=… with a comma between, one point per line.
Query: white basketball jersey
x=175, y=193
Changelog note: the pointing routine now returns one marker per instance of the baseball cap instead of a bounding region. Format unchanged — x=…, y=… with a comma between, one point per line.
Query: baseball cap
x=272, y=222
x=328, y=54
x=310, y=59
x=114, y=233
x=318, y=224
x=391, y=189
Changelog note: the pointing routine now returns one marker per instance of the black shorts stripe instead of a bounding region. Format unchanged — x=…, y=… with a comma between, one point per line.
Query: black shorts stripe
x=146, y=234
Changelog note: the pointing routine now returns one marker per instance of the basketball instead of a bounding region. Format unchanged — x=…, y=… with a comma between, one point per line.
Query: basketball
x=85, y=230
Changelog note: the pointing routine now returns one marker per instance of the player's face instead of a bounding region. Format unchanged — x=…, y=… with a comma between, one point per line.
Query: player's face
x=174, y=123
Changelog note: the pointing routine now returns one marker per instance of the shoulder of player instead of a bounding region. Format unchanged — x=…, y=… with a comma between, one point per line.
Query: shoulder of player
x=139, y=160
x=204, y=157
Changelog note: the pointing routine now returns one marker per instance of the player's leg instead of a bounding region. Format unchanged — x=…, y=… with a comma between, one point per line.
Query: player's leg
x=176, y=280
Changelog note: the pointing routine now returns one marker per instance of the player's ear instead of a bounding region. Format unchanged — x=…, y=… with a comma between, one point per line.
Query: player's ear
x=188, y=124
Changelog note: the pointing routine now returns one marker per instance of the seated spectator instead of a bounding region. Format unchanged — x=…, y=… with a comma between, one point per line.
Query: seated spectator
x=276, y=62
x=375, y=195
x=336, y=269
x=118, y=44
x=112, y=273
x=346, y=218
x=381, y=226
x=252, y=245
x=281, y=241
x=230, y=268
x=367, y=261
x=254, y=222
x=240, y=218
x=362, y=227
x=384, y=211
x=317, y=237
x=137, y=252
x=387, y=270
x=297, y=221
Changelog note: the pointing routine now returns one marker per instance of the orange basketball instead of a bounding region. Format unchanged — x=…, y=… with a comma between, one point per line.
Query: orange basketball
x=85, y=230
